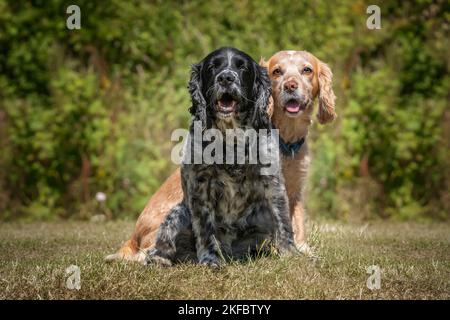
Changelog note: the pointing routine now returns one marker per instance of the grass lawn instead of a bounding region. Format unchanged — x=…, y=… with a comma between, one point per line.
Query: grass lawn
x=414, y=261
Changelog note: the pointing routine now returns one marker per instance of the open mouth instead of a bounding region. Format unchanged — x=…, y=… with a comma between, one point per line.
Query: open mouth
x=293, y=106
x=226, y=104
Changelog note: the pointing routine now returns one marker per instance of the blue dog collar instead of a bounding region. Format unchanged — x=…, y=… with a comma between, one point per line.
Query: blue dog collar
x=290, y=149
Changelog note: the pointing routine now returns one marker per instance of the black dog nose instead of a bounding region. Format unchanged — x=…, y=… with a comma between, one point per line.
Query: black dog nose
x=225, y=78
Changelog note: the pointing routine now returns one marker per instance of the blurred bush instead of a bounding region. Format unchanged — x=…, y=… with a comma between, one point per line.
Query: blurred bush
x=92, y=110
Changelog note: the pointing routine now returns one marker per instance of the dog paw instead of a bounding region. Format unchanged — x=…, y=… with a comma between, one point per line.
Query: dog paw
x=306, y=250
x=153, y=258
x=210, y=261
x=288, y=249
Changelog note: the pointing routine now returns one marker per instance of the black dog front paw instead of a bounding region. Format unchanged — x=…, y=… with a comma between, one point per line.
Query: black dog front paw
x=286, y=248
x=210, y=261
x=153, y=257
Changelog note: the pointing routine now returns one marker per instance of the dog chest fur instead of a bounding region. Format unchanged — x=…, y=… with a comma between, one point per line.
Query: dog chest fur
x=230, y=189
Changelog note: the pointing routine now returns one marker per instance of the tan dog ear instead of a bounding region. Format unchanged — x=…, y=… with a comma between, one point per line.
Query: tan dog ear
x=326, y=112
x=263, y=63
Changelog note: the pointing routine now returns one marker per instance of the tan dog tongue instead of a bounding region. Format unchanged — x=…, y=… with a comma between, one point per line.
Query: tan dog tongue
x=292, y=106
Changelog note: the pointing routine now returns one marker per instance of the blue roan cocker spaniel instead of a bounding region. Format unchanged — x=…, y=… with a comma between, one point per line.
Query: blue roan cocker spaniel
x=230, y=207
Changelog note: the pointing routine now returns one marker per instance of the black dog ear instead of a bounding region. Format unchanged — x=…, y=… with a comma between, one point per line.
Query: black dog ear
x=262, y=91
x=198, y=109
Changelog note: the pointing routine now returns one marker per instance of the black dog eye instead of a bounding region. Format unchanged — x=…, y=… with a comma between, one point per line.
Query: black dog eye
x=307, y=70
x=241, y=65
x=215, y=64
x=276, y=72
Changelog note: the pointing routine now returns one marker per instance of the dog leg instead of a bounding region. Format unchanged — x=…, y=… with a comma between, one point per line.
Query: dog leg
x=165, y=248
x=203, y=226
x=284, y=236
x=298, y=224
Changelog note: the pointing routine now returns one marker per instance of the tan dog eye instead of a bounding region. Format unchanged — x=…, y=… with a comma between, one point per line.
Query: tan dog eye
x=307, y=70
x=276, y=72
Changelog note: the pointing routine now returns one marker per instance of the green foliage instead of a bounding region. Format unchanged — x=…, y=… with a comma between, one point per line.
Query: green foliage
x=92, y=110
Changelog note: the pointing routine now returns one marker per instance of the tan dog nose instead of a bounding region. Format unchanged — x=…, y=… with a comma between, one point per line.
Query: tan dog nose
x=290, y=85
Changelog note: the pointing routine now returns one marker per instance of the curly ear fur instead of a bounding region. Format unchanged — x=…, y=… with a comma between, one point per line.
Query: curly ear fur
x=263, y=63
x=198, y=109
x=326, y=112
x=262, y=91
